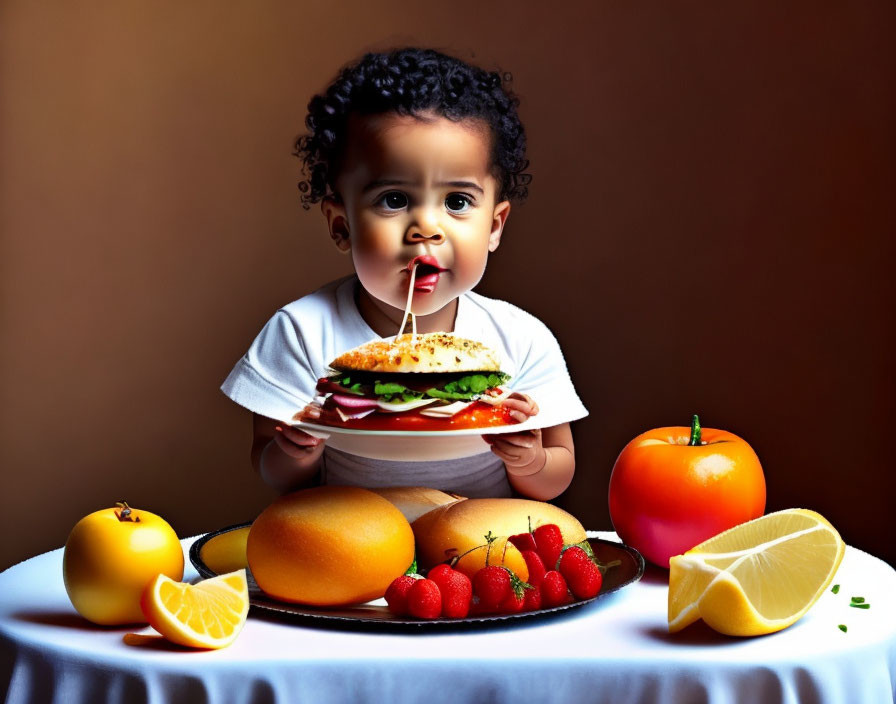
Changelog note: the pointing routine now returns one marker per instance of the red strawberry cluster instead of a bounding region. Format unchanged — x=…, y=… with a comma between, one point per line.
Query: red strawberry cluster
x=558, y=575
x=443, y=592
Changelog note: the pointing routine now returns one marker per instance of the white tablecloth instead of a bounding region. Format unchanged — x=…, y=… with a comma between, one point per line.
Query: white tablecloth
x=615, y=650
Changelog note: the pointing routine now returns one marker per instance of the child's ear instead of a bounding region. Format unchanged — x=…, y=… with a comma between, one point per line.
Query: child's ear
x=337, y=222
x=502, y=210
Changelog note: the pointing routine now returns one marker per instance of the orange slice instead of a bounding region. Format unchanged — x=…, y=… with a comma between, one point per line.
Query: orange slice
x=209, y=614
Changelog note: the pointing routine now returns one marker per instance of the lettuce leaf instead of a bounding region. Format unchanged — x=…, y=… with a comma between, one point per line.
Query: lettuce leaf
x=461, y=389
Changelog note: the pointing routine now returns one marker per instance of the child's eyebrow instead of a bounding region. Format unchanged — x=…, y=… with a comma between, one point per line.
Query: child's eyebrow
x=379, y=183
x=462, y=184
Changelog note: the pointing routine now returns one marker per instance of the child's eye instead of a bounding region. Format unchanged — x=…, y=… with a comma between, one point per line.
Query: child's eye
x=458, y=202
x=393, y=200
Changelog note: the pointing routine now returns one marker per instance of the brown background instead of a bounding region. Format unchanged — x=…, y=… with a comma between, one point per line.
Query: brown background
x=710, y=230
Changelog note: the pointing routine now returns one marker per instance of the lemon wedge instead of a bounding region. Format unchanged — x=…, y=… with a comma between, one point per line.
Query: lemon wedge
x=756, y=578
x=209, y=614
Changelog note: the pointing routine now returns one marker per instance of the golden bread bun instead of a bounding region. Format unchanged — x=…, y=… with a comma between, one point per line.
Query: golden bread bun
x=455, y=528
x=329, y=546
x=432, y=352
x=414, y=501
x=502, y=552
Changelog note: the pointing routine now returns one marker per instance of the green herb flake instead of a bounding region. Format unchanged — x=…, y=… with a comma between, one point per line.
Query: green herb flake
x=388, y=388
x=842, y=627
x=858, y=600
x=835, y=588
x=860, y=606
x=350, y=387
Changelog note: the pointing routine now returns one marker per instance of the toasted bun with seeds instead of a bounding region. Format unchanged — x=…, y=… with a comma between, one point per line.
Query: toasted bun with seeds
x=435, y=352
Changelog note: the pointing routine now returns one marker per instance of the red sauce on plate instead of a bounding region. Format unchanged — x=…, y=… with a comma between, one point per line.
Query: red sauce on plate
x=476, y=415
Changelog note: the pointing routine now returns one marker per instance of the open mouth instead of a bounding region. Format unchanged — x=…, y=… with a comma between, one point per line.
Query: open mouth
x=427, y=272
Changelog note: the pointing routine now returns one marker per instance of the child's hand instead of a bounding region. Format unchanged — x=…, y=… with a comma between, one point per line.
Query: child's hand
x=521, y=406
x=294, y=442
x=522, y=451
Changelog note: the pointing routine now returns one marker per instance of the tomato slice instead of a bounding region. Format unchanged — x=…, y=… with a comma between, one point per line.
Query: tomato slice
x=476, y=415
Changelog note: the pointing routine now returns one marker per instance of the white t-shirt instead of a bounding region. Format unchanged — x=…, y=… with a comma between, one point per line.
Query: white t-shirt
x=278, y=375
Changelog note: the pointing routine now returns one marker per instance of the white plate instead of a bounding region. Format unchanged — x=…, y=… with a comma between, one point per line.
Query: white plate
x=414, y=445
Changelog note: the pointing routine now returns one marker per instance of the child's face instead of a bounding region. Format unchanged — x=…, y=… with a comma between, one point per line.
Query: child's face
x=416, y=187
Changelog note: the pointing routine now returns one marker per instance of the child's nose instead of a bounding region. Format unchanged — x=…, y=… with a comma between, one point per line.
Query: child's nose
x=425, y=228
x=418, y=234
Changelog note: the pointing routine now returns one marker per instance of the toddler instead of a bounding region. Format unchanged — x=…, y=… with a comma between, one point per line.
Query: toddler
x=414, y=156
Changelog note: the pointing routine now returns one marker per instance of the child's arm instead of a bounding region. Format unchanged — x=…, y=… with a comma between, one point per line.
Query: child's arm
x=286, y=458
x=540, y=463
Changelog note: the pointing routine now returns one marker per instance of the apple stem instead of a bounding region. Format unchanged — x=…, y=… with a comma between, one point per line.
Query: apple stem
x=695, y=430
x=125, y=513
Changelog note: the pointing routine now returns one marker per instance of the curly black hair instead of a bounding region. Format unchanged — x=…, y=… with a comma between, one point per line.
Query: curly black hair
x=409, y=81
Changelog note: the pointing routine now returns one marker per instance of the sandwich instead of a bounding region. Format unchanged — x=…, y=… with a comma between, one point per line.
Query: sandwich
x=433, y=381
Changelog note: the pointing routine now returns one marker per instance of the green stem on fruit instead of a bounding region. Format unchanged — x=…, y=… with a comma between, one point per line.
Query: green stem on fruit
x=124, y=515
x=695, y=431
x=455, y=558
x=604, y=566
x=489, y=539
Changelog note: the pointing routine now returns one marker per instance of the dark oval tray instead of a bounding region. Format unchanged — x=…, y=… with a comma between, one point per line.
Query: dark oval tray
x=628, y=571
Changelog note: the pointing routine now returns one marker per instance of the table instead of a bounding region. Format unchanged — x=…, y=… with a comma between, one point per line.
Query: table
x=616, y=649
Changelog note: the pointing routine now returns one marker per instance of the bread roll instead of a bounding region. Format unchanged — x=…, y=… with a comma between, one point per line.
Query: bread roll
x=414, y=501
x=432, y=352
x=460, y=526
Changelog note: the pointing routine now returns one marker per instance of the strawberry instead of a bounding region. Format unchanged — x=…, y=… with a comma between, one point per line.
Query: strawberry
x=456, y=589
x=581, y=574
x=491, y=584
x=397, y=594
x=512, y=603
x=553, y=590
x=424, y=599
x=439, y=572
x=588, y=584
x=549, y=542
x=573, y=555
x=523, y=541
x=532, y=599
x=535, y=565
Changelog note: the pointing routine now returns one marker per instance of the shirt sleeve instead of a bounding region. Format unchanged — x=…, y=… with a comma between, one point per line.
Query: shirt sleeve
x=542, y=374
x=275, y=378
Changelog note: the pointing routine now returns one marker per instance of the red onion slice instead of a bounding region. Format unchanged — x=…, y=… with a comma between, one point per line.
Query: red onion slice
x=356, y=403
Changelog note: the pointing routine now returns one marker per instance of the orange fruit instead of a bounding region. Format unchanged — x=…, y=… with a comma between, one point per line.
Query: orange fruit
x=109, y=558
x=209, y=614
x=329, y=546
